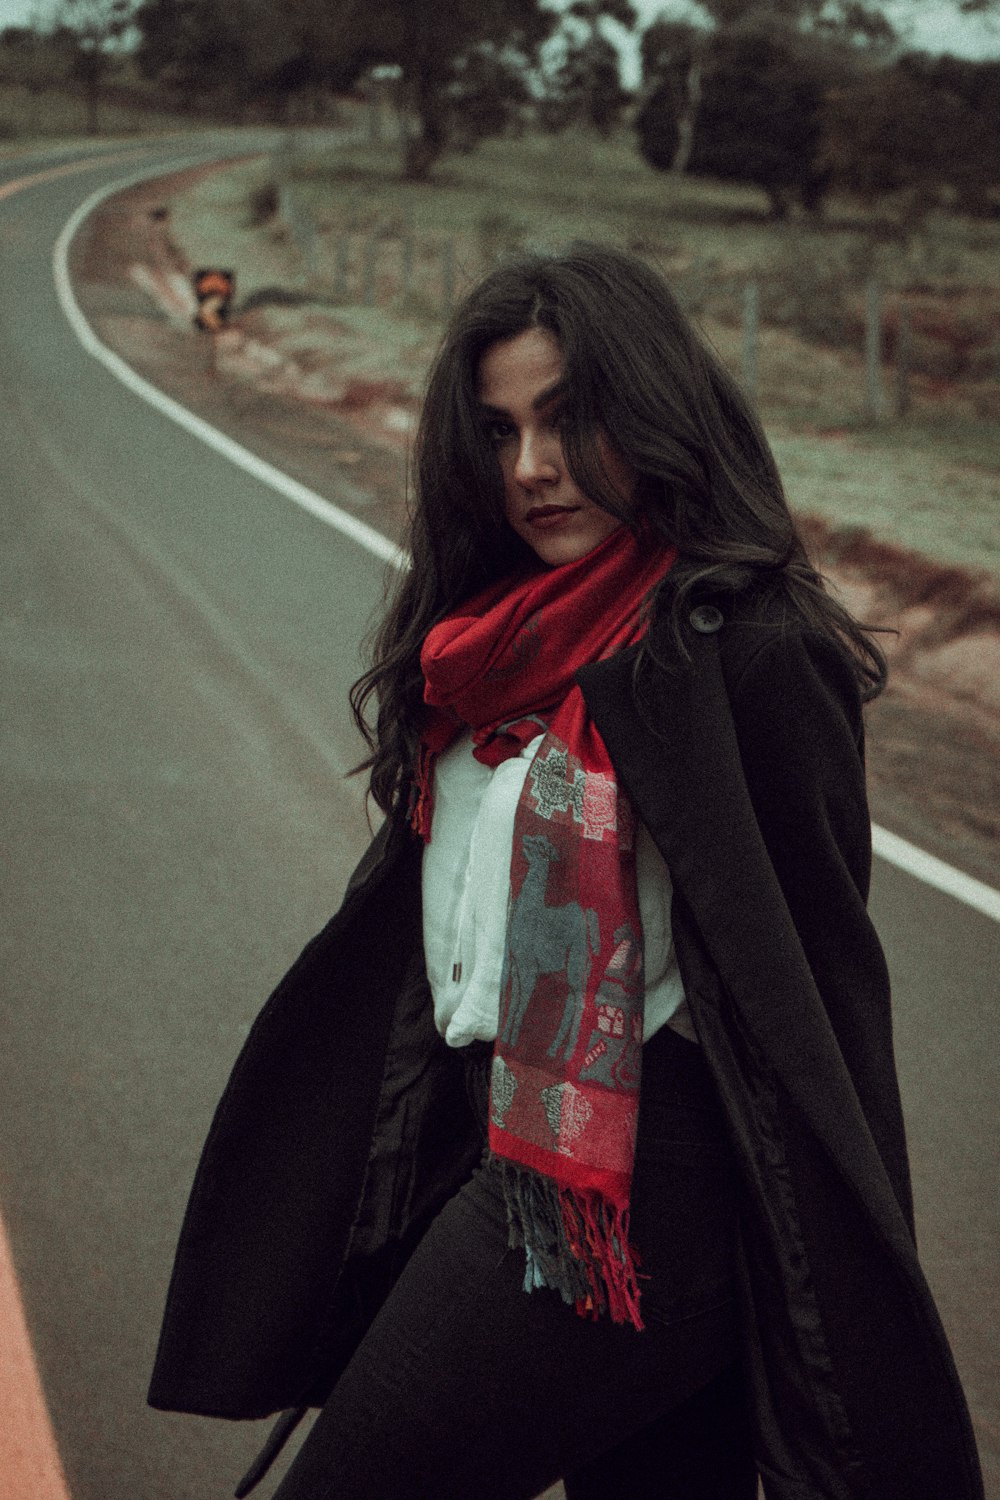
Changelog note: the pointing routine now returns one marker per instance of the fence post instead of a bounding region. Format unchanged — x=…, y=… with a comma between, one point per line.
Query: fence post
x=904, y=358
x=448, y=275
x=368, y=271
x=874, y=400
x=751, y=328
x=283, y=158
x=300, y=225
x=407, y=256
x=340, y=269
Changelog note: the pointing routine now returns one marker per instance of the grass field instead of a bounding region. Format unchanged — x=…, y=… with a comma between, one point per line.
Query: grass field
x=548, y=188
x=61, y=114
x=929, y=481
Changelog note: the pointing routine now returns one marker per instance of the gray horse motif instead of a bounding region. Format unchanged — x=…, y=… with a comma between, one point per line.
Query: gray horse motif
x=543, y=940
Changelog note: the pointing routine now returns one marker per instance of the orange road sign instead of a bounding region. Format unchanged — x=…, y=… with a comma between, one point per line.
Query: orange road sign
x=214, y=290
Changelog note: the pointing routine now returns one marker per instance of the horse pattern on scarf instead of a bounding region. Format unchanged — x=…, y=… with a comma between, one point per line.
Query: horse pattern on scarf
x=570, y=1033
x=542, y=940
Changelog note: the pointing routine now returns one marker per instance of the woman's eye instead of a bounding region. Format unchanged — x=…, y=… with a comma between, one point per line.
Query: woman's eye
x=498, y=432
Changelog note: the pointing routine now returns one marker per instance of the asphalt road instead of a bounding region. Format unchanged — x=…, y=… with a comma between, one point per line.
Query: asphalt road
x=176, y=643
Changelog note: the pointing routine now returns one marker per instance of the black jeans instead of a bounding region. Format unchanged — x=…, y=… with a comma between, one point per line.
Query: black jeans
x=467, y=1388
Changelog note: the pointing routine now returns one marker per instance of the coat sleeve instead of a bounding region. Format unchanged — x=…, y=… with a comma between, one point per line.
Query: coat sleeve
x=798, y=724
x=745, y=764
x=797, y=714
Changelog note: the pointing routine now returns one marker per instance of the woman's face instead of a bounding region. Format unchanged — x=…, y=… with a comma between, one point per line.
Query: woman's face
x=520, y=389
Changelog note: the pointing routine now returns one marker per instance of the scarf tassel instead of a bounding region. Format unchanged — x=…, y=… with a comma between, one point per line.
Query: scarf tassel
x=575, y=1243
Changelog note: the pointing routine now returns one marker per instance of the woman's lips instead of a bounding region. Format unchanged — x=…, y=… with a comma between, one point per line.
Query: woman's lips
x=546, y=517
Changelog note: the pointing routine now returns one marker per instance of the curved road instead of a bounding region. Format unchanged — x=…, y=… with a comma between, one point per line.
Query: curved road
x=176, y=641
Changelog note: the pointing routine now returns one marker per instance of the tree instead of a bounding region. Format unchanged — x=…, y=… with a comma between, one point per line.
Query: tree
x=429, y=39
x=37, y=61
x=488, y=94
x=187, y=45
x=586, y=88
x=590, y=82
x=759, y=118
x=94, y=26
x=675, y=54
x=673, y=63
x=916, y=131
x=441, y=49
x=318, y=43
x=234, y=48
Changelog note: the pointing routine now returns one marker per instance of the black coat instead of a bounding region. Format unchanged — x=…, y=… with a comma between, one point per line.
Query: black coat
x=344, y=1126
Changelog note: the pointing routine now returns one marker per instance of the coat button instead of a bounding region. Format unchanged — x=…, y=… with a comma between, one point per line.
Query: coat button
x=706, y=619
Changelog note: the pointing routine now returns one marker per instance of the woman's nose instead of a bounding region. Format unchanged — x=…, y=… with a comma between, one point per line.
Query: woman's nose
x=539, y=456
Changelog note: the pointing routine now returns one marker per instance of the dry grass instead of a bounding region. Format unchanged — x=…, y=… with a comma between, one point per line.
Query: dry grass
x=929, y=482
x=61, y=114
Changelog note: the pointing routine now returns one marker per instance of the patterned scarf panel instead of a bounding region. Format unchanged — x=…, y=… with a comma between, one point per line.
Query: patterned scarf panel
x=567, y=1060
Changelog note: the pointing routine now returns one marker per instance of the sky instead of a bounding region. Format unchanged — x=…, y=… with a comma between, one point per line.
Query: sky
x=933, y=25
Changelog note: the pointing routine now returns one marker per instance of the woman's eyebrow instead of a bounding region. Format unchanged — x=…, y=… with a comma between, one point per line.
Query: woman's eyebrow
x=552, y=393
x=544, y=398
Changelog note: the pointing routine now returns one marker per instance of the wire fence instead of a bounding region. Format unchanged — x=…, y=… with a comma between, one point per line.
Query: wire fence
x=373, y=266
x=392, y=265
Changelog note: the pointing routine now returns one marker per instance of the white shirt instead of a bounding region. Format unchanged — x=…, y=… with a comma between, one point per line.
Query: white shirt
x=466, y=894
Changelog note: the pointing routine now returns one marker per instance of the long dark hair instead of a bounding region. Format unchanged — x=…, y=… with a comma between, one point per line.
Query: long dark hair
x=635, y=367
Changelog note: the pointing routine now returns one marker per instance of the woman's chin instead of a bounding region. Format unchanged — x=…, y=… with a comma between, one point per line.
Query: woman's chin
x=558, y=547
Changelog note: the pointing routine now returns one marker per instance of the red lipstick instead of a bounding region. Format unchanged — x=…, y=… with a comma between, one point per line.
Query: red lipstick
x=545, y=517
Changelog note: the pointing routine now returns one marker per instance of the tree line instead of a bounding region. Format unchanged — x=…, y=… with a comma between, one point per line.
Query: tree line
x=798, y=112
x=795, y=96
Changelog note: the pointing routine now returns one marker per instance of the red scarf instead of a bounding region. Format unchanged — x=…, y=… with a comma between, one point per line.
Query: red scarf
x=564, y=1094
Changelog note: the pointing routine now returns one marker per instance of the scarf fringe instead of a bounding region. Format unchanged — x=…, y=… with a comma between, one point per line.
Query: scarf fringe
x=575, y=1243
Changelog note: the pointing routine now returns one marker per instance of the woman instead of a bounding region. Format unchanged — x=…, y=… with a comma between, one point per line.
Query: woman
x=572, y=1146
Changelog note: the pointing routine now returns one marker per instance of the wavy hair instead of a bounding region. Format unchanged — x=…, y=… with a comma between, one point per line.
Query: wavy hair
x=636, y=368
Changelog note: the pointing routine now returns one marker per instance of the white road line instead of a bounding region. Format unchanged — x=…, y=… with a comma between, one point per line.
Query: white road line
x=933, y=871
x=324, y=510
x=888, y=846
